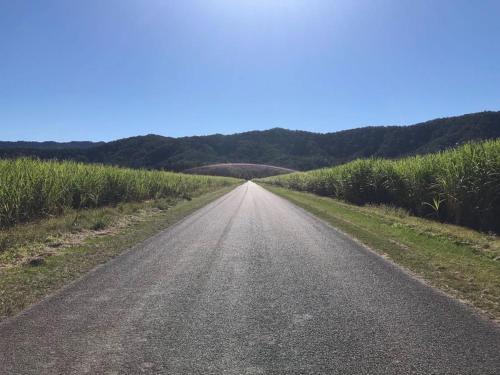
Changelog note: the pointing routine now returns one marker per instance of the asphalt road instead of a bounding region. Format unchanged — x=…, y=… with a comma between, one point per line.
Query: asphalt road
x=249, y=284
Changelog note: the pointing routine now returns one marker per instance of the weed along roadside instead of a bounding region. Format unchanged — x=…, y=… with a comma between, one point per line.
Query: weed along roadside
x=41, y=256
x=462, y=262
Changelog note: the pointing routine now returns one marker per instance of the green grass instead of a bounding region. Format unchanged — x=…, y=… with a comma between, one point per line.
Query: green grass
x=74, y=242
x=460, y=261
x=32, y=189
x=459, y=186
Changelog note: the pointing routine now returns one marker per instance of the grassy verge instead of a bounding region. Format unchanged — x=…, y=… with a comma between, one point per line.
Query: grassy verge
x=460, y=261
x=38, y=258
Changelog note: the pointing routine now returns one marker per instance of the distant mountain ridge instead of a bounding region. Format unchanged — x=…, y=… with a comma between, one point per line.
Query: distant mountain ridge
x=299, y=150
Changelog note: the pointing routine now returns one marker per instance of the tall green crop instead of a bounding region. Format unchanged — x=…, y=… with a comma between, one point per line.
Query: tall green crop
x=32, y=188
x=461, y=186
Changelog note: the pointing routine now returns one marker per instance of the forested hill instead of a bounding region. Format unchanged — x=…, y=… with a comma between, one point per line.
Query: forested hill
x=280, y=147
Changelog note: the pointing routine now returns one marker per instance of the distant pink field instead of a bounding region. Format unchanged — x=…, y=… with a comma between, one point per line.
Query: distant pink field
x=243, y=170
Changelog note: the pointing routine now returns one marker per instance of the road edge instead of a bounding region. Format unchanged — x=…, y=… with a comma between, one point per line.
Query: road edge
x=139, y=235
x=475, y=310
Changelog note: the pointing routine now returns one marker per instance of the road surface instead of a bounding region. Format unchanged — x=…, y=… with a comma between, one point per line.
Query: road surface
x=249, y=284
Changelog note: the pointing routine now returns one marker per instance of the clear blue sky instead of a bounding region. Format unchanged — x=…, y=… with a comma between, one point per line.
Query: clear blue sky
x=106, y=69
